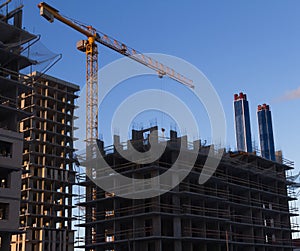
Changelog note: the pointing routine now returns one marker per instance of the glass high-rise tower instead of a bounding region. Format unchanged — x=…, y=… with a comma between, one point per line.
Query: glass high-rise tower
x=266, y=132
x=242, y=123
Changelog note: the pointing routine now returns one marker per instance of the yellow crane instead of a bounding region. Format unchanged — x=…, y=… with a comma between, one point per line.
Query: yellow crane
x=89, y=46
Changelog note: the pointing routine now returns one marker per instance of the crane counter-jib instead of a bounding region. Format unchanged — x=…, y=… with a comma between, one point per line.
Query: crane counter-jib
x=51, y=13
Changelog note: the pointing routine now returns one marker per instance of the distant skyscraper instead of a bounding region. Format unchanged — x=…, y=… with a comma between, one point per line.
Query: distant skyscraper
x=266, y=132
x=242, y=123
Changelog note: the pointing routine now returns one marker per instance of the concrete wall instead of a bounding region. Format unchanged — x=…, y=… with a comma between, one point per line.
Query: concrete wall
x=11, y=165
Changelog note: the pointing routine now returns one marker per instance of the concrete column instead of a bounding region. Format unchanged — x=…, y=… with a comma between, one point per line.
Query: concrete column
x=177, y=233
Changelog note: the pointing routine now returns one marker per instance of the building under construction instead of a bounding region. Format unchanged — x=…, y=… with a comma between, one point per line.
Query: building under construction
x=243, y=206
x=12, y=84
x=36, y=115
x=46, y=199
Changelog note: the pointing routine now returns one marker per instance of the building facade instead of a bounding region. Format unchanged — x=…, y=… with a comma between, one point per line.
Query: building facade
x=11, y=145
x=12, y=83
x=265, y=127
x=47, y=197
x=243, y=206
x=242, y=123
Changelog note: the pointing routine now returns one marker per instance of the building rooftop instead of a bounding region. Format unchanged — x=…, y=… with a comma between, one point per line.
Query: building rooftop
x=56, y=80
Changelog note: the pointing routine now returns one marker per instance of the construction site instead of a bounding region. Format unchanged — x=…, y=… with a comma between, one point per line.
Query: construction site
x=244, y=205
x=49, y=176
x=37, y=114
x=249, y=202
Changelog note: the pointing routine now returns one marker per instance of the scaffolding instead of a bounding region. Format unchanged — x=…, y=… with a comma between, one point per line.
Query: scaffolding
x=244, y=205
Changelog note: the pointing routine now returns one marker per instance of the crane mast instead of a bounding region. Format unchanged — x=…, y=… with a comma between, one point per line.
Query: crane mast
x=91, y=94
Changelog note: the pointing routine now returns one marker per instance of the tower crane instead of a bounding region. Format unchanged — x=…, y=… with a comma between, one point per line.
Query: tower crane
x=89, y=46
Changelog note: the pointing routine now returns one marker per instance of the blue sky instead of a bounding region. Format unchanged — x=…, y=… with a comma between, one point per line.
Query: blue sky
x=250, y=46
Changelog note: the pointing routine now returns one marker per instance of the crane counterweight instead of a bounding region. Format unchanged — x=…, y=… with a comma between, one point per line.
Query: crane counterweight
x=81, y=45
